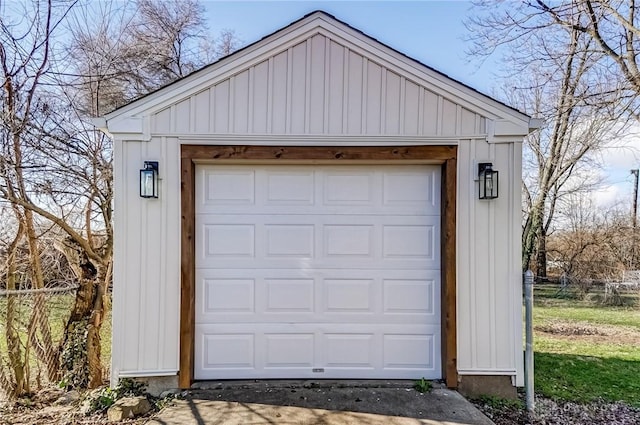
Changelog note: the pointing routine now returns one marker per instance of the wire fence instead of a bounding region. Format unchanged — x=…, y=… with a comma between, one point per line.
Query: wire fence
x=32, y=323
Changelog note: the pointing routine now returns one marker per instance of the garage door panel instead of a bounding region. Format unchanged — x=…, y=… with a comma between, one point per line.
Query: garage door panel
x=224, y=186
x=317, y=272
x=355, y=262
x=225, y=296
x=332, y=296
x=402, y=241
x=347, y=240
x=412, y=296
x=387, y=190
x=349, y=296
x=314, y=351
x=228, y=240
x=238, y=352
x=327, y=241
x=287, y=350
x=289, y=240
x=351, y=350
x=353, y=188
x=293, y=188
x=391, y=209
x=409, y=351
x=416, y=189
x=289, y=295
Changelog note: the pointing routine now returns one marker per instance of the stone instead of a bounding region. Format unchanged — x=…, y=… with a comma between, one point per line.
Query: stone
x=169, y=393
x=68, y=398
x=96, y=392
x=49, y=395
x=156, y=385
x=85, y=407
x=127, y=408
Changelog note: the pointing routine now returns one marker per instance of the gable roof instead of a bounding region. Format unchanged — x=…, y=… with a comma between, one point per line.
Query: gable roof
x=318, y=22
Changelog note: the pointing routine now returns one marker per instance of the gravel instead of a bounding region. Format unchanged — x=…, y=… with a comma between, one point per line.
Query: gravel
x=550, y=412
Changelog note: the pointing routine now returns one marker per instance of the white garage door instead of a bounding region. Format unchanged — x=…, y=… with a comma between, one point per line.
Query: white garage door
x=317, y=272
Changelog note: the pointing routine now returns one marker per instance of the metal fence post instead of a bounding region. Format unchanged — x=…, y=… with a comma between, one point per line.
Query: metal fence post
x=528, y=354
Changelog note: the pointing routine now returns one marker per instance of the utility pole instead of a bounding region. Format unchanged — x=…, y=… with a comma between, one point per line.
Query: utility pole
x=635, y=218
x=528, y=352
x=635, y=198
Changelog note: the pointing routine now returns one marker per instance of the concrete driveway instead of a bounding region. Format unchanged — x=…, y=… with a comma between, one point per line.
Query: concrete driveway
x=319, y=402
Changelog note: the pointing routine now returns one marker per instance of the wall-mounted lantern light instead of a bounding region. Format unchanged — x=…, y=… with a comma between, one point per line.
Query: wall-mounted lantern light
x=149, y=180
x=488, y=178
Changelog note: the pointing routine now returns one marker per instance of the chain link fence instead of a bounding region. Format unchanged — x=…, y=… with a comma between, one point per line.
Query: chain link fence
x=32, y=323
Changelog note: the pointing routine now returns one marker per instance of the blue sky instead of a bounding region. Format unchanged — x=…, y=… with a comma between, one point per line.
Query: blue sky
x=429, y=31
x=432, y=32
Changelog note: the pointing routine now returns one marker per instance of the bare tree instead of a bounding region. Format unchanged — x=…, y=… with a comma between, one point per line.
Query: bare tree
x=224, y=44
x=53, y=168
x=561, y=77
x=613, y=29
x=56, y=169
x=24, y=60
x=123, y=51
x=15, y=382
x=595, y=245
x=170, y=30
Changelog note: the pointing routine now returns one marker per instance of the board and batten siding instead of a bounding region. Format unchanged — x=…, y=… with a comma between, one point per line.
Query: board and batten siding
x=314, y=89
x=147, y=261
x=488, y=254
x=146, y=288
x=317, y=87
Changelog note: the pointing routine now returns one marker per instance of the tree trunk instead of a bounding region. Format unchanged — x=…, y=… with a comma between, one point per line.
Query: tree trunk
x=81, y=346
x=19, y=385
x=43, y=346
x=530, y=235
x=541, y=253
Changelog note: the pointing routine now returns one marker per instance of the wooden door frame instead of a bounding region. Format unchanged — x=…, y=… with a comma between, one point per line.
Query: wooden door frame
x=445, y=155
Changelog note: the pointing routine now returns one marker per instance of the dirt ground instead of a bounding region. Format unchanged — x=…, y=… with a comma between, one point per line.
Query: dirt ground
x=599, y=334
x=43, y=409
x=46, y=408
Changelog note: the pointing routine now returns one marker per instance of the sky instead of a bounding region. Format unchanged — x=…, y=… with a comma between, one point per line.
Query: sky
x=429, y=31
x=432, y=32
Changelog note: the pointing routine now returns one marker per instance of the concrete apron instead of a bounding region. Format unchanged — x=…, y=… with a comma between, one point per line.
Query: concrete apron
x=319, y=402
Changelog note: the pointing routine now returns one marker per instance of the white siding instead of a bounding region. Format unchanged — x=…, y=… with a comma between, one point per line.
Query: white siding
x=146, y=262
x=489, y=281
x=312, y=88
x=317, y=87
x=147, y=281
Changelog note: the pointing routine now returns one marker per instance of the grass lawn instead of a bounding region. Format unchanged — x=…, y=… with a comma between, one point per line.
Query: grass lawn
x=585, y=351
x=58, y=307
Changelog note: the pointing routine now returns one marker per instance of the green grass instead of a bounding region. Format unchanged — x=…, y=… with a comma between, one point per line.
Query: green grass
x=585, y=368
x=59, y=307
x=583, y=379
x=613, y=316
x=423, y=386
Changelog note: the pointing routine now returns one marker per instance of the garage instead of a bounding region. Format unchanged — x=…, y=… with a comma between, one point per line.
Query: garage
x=317, y=271
x=312, y=209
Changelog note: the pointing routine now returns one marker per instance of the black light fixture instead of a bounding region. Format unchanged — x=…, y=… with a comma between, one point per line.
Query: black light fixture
x=488, y=179
x=149, y=180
